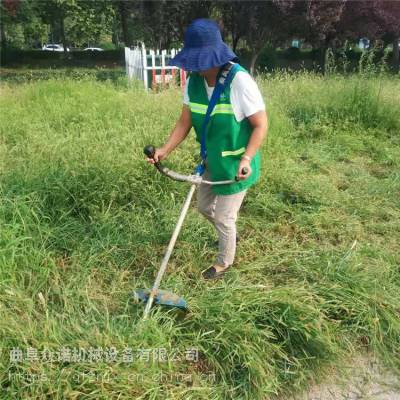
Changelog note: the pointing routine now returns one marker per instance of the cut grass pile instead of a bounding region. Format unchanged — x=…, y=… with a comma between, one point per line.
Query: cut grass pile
x=84, y=220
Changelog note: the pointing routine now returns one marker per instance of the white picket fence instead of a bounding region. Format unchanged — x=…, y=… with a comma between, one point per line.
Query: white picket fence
x=150, y=66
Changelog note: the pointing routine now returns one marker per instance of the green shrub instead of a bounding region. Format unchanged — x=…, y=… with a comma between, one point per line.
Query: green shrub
x=267, y=60
x=76, y=58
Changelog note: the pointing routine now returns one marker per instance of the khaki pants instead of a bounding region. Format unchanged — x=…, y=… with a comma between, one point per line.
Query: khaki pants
x=222, y=212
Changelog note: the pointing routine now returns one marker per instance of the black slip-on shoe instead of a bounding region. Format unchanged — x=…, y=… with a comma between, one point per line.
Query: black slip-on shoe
x=212, y=273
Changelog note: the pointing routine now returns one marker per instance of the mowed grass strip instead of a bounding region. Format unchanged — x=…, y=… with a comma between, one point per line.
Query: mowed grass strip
x=84, y=220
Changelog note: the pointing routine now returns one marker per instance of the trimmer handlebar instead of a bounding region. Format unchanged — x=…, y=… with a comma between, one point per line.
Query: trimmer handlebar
x=150, y=150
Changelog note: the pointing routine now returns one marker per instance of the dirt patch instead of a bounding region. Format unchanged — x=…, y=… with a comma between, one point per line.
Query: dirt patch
x=364, y=378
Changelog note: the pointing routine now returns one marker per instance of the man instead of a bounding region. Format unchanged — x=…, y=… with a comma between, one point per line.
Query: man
x=237, y=127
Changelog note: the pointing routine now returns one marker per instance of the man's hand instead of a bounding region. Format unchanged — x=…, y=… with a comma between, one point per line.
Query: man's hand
x=244, y=164
x=159, y=155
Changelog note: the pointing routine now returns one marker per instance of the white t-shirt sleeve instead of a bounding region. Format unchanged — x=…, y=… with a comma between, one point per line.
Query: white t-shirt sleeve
x=246, y=98
x=185, y=93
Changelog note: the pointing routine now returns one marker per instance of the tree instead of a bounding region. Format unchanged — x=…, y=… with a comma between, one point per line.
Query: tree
x=375, y=19
x=18, y=23
x=123, y=10
x=9, y=13
x=89, y=21
x=233, y=15
x=188, y=10
x=267, y=22
x=388, y=15
x=54, y=13
x=358, y=20
x=165, y=21
x=323, y=18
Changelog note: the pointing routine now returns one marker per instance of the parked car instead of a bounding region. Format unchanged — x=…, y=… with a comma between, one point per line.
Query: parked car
x=93, y=49
x=54, y=47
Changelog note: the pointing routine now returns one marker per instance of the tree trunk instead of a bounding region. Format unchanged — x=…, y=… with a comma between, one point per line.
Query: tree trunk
x=62, y=29
x=235, y=41
x=123, y=12
x=395, y=57
x=322, y=57
x=253, y=60
x=114, y=37
x=3, y=45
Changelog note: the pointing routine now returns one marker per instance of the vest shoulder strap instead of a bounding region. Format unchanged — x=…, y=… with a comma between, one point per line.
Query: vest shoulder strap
x=224, y=77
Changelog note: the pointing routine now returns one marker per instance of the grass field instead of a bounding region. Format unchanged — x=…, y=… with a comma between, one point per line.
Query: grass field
x=84, y=220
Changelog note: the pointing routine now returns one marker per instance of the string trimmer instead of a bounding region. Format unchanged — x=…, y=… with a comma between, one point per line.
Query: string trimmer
x=155, y=295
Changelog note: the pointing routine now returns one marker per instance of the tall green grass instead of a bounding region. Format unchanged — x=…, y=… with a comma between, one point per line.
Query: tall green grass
x=84, y=220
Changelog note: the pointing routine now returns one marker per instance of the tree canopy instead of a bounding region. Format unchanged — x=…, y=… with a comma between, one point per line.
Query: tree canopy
x=250, y=24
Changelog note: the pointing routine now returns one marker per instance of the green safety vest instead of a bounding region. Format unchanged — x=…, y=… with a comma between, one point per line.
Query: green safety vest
x=226, y=138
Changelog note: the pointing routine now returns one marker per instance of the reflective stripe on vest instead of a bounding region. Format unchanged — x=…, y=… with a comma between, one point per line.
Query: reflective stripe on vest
x=233, y=152
x=218, y=109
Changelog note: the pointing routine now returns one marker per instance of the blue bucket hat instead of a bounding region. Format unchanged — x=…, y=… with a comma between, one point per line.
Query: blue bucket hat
x=203, y=47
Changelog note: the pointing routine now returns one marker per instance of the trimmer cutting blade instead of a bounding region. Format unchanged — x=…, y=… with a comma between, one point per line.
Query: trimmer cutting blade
x=163, y=297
